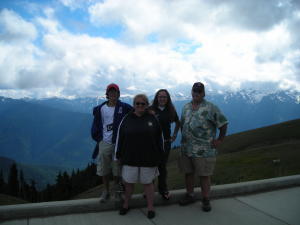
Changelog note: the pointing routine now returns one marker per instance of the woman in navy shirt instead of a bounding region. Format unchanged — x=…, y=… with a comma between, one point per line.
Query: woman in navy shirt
x=166, y=114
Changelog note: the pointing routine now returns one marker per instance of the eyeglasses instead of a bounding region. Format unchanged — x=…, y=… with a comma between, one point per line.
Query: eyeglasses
x=140, y=103
x=162, y=96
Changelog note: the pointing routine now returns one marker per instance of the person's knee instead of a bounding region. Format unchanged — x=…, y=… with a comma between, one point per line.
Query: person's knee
x=189, y=175
x=204, y=178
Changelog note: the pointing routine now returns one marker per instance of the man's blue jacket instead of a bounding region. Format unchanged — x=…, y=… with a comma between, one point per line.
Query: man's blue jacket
x=121, y=110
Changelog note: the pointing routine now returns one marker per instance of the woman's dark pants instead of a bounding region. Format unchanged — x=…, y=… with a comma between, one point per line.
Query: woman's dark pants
x=162, y=168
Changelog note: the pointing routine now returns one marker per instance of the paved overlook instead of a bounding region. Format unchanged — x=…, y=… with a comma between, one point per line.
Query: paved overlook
x=266, y=202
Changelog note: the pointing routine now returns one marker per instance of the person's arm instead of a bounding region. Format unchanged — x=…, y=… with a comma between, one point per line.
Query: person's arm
x=222, y=134
x=119, y=141
x=182, y=119
x=95, y=130
x=176, y=129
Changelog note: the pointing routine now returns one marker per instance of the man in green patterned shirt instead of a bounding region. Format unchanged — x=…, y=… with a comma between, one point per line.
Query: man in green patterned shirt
x=200, y=120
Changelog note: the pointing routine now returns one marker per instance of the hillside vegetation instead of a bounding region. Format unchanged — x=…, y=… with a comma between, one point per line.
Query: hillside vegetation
x=10, y=200
x=262, y=153
x=266, y=136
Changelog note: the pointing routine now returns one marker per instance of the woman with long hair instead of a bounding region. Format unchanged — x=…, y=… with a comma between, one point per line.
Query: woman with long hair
x=166, y=114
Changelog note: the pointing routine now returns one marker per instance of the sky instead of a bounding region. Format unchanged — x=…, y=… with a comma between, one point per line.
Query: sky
x=75, y=48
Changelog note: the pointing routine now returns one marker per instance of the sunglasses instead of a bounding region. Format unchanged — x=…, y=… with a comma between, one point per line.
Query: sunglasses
x=140, y=103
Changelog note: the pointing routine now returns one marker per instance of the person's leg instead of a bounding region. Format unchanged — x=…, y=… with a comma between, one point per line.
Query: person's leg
x=129, y=177
x=104, y=168
x=129, y=188
x=205, y=190
x=149, y=191
x=205, y=186
x=162, y=168
x=189, y=183
x=105, y=180
x=105, y=192
x=118, y=184
x=206, y=168
x=186, y=166
x=146, y=177
x=189, y=197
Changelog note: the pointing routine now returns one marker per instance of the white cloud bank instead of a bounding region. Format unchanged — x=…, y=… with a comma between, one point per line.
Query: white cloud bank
x=163, y=44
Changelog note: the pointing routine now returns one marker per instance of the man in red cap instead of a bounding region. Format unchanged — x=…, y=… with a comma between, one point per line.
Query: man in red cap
x=107, y=117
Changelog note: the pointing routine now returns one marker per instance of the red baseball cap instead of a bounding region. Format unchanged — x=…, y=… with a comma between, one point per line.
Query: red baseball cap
x=114, y=86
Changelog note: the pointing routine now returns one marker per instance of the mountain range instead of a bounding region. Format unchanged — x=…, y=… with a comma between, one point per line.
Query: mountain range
x=50, y=134
x=247, y=109
x=36, y=134
x=56, y=132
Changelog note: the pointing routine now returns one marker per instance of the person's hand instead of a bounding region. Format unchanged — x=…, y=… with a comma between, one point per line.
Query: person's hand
x=216, y=142
x=151, y=111
x=173, y=138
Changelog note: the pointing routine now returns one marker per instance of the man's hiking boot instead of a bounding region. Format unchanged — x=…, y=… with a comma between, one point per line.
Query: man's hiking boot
x=206, y=207
x=187, y=199
x=104, y=196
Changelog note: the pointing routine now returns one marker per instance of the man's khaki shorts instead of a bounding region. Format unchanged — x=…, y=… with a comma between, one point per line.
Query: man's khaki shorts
x=199, y=166
x=106, y=164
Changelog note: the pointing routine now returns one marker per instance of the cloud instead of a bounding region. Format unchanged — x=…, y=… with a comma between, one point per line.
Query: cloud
x=181, y=19
x=76, y=4
x=163, y=44
x=254, y=15
x=169, y=20
x=14, y=28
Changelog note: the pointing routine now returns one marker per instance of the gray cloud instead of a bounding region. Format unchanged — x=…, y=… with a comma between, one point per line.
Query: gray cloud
x=255, y=15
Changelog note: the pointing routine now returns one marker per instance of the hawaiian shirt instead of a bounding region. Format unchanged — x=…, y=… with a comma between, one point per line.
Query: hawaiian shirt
x=199, y=129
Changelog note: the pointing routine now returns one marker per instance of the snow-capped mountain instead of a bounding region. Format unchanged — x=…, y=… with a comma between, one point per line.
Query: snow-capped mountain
x=246, y=109
x=55, y=131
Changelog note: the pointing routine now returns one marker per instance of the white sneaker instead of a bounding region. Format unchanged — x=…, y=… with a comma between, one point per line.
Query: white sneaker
x=104, y=196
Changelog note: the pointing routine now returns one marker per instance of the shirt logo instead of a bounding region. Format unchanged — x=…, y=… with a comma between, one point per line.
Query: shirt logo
x=109, y=127
x=150, y=124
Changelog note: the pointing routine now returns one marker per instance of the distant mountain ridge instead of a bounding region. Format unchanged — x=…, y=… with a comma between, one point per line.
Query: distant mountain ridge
x=57, y=131
x=86, y=104
x=35, y=134
x=245, y=110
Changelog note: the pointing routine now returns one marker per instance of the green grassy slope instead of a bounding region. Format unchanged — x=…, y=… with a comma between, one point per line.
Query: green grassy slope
x=10, y=200
x=265, y=136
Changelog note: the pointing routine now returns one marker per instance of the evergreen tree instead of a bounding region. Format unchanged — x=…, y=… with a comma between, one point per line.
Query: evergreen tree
x=22, y=185
x=66, y=186
x=27, y=192
x=33, y=192
x=13, y=182
x=2, y=183
x=47, y=193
